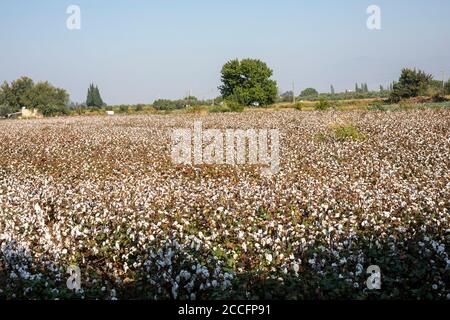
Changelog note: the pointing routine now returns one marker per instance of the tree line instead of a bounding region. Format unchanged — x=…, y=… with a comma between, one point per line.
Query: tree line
x=43, y=96
x=245, y=82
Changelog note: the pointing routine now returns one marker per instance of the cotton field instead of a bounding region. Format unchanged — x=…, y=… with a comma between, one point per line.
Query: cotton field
x=103, y=194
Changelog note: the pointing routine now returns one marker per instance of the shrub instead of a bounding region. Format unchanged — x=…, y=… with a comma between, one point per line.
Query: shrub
x=347, y=132
x=219, y=109
x=438, y=97
x=322, y=105
x=404, y=105
x=340, y=133
x=235, y=106
x=123, y=109
x=376, y=105
x=195, y=109
x=377, y=108
x=321, y=137
x=5, y=110
x=52, y=111
x=298, y=106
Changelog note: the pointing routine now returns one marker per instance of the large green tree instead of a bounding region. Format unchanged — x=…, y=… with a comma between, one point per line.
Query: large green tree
x=248, y=82
x=412, y=83
x=43, y=96
x=90, y=96
x=15, y=95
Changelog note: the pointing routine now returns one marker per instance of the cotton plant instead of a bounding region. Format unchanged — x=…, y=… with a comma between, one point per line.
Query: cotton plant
x=103, y=194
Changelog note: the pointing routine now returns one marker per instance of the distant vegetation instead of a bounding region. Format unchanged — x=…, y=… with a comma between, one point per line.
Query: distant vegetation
x=165, y=104
x=363, y=88
x=309, y=93
x=43, y=96
x=245, y=83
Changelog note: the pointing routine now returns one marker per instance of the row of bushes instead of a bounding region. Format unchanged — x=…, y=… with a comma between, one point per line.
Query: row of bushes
x=347, y=96
x=232, y=106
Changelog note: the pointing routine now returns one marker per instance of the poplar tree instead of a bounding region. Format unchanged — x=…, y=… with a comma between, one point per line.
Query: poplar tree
x=90, y=96
x=94, y=98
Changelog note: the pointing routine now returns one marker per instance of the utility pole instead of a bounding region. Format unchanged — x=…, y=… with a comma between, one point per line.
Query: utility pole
x=293, y=92
x=443, y=82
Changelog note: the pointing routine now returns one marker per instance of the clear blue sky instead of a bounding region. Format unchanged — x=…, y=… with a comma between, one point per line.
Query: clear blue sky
x=137, y=50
